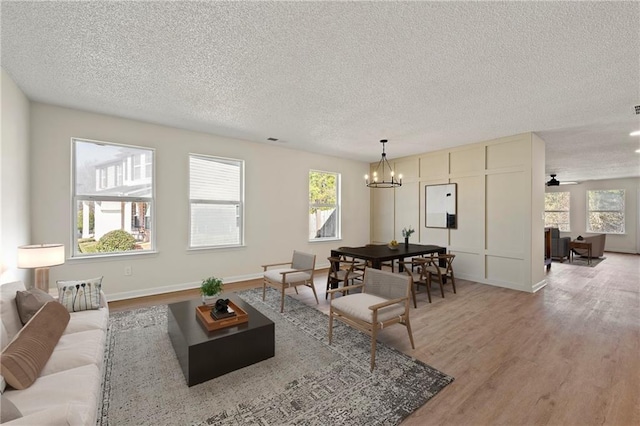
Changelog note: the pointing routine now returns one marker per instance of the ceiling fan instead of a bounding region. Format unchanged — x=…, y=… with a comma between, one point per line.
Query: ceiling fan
x=553, y=181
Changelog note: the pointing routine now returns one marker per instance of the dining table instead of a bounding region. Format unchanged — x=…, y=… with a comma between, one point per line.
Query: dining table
x=377, y=254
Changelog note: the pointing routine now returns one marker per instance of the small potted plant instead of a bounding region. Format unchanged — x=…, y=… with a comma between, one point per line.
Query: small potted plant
x=209, y=288
x=406, y=233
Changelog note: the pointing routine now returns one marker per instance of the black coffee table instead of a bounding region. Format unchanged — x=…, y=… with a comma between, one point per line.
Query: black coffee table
x=204, y=355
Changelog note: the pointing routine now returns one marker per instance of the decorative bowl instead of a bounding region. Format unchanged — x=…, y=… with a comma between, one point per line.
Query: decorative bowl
x=393, y=247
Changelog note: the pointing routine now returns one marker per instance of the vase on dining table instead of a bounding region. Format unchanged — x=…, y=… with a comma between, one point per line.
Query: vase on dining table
x=406, y=242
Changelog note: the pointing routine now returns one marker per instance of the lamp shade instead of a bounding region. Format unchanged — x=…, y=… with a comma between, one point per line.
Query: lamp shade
x=40, y=255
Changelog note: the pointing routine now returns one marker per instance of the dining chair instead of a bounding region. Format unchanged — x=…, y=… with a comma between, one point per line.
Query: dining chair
x=415, y=268
x=341, y=270
x=441, y=267
x=382, y=302
x=300, y=272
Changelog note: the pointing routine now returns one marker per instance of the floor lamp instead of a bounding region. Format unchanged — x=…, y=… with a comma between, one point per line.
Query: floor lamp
x=40, y=257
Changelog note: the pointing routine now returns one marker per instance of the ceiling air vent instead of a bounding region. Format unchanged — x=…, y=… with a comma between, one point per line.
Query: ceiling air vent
x=637, y=107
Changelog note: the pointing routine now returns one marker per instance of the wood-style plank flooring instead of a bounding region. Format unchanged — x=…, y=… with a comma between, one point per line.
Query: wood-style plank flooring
x=567, y=355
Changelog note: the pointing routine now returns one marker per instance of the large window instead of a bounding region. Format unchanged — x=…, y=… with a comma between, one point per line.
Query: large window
x=324, y=205
x=556, y=210
x=113, y=204
x=215, y=201
x=605, y=211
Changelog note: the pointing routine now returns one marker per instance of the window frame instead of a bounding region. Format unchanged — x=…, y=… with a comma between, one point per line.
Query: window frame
x=559, y=211
x=76, y=199
x=240, y=205
x=589, y=211
x=337, y=206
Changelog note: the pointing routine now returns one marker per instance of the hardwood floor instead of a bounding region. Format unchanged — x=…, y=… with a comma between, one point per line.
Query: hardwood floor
x=567, y=355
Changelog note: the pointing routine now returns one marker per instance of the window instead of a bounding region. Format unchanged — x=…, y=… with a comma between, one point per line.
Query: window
x=556, y=210
x=605, y=211
x=112, y=212
x=324, y=205
x=216, y=201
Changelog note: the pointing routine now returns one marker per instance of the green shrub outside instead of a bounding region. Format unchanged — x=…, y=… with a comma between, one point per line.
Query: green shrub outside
x=90, y=246
x=117, y=240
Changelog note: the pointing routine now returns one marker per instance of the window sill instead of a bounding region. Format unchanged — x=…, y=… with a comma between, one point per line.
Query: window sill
x=324, y=240
x=113, y=256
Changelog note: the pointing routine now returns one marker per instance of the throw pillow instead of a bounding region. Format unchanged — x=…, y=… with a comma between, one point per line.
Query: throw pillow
x=30, y=301
x=80, y=295
x=8, y=410
x=23, y=359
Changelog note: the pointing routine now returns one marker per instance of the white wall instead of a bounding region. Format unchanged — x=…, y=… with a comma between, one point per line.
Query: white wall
x=500, y=234
x=276, y=197
x=14, y=180
x=626, y=243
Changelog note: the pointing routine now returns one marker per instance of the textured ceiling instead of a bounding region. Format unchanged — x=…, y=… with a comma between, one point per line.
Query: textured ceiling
x=336, y=77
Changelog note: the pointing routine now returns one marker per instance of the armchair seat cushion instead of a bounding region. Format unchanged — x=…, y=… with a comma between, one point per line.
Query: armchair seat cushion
x=357, y=306
x=296, y=277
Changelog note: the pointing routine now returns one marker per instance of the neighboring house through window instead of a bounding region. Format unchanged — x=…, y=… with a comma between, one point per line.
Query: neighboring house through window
x=324, y=205
x=113, y=205
x=605, y=211
x=557, y=210
x=216, y=201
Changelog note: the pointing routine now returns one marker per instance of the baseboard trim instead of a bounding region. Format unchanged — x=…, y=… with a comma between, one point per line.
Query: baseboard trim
x=112, y=297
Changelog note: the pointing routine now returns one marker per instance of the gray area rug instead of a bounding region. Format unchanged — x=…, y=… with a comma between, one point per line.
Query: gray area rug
x=584, y=261
x=307, y=382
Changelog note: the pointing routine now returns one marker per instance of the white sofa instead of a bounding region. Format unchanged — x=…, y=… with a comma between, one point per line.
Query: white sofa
x=68, y=389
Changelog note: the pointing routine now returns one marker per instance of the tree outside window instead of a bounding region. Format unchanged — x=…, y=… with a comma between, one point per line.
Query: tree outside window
x=324, y=205
x=557, y=210
x=605, y=211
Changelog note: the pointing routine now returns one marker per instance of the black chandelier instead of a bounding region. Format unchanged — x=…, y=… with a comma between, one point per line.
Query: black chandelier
x=380, y=174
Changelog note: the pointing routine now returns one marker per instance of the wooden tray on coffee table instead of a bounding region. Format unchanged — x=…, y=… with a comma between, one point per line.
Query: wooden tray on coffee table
x=203, y=312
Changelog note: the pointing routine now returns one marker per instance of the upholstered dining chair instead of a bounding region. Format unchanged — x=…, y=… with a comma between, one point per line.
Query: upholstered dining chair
x=383, y=301
x=440, y=267
x=342, y=271
x=300, y=272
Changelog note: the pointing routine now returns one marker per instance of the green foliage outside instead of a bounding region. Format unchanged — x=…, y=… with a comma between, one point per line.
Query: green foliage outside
x=117, y=240
x=87, y=245
x=557, y=206
x=80, y=222
x=322, y=190
x=606, y=211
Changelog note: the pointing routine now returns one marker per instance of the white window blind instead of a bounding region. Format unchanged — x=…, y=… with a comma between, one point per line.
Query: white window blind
x=215, y=201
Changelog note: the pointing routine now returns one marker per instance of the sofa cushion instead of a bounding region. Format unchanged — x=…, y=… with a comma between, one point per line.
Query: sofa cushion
x=8, y=410
x=80, y=295
x=23, y=359
x=30, y=301
x=88, y=320
x=8, y=309
x=64, y=414
x=78, y=386
x=75, y=350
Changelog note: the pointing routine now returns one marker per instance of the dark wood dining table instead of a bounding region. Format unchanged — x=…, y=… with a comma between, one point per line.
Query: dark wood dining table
x=376, y=254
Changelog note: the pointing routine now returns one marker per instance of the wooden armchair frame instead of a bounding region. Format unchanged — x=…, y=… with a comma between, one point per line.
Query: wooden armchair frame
x=340, y=309
x=283, y=278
